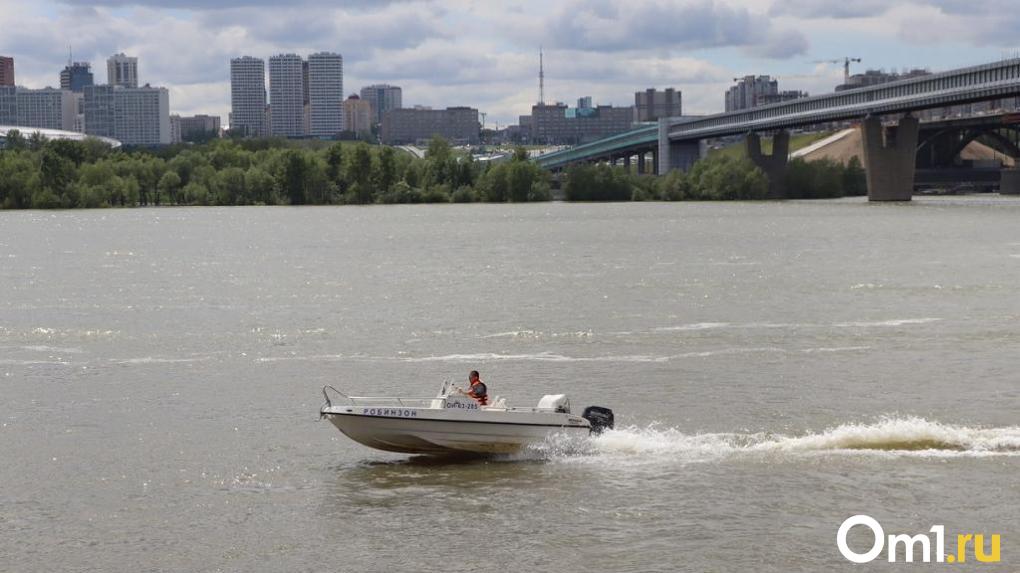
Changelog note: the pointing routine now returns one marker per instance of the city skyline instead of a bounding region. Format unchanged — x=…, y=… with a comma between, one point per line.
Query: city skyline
x=447, y=53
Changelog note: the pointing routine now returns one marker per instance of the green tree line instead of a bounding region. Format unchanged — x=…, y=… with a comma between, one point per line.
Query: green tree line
x=39, y=173
x=715, y=178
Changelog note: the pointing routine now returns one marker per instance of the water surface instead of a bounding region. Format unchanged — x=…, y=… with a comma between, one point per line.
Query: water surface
x=774, y=368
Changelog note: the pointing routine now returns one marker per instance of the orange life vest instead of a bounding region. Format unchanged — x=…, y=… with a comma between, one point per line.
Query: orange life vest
x=480, y=393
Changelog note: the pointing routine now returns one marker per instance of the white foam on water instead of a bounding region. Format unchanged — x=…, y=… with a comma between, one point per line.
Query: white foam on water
x=893, y=322
x=535, y=357
x=311, y=358
x=157, y=360
x=535, y=334
x=45, y=348
x=692, y=327
x=836, y=349
x=888, y=437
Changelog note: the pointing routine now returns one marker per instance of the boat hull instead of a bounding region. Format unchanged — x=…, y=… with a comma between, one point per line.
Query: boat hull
x=444, y=436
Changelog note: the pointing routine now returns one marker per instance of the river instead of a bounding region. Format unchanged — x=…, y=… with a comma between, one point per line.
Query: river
x=774, y=367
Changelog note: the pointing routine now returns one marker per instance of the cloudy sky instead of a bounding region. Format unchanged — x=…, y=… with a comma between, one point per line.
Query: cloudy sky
x=485, y=53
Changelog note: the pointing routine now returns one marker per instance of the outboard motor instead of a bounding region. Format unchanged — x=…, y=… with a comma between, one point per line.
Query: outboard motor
x=600, y=418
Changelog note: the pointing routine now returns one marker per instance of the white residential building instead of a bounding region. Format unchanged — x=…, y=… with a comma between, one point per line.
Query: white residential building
x=325, y=94
x=142, y=116
x=248, y=96
x=286, y=95
x=47, y=108
x=134, y=116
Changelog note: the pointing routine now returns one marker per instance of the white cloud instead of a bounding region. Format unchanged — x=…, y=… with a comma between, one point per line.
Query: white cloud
x=483, y=53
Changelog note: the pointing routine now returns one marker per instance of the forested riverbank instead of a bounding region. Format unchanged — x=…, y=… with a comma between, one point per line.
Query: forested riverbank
x=41, y=174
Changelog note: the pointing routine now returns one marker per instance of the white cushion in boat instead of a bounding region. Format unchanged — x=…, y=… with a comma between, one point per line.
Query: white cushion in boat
x=556, y=402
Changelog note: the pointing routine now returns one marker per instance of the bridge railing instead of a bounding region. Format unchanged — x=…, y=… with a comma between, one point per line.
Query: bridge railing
x=999, y=79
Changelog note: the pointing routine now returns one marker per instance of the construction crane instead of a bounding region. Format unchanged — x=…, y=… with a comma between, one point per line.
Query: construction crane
x=846, y=65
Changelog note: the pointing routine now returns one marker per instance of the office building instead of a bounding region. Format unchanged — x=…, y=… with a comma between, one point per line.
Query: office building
x=286, y=95
x=248, y=96
x=98, y=109
x=6, y=71
x=558, y=124
x=141, y=116
x=383, y=98
x=75, y=76
x=357, y=115
x=584, y=102
x=198, y=127
x=122, y=71
x=459, y=125
x=8, y=105
x=47, y=108
x=325, y=94
x=134, y=116
x=652, y=104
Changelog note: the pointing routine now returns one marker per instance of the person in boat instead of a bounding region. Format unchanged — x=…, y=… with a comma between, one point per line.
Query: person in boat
x=478, y=391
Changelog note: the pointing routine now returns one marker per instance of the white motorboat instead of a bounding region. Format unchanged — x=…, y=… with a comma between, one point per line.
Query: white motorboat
x=453, y=423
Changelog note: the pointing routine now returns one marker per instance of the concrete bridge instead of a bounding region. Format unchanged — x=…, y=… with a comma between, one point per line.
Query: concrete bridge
x=890, y=148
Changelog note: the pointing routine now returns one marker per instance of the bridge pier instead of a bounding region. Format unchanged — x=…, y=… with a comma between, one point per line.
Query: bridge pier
x=773, y=165
x=889, y=157
x=676, y=154
x=1010, y=182
x=641, y=163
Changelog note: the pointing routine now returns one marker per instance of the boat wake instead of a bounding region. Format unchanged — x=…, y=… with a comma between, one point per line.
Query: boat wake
x=889, y=437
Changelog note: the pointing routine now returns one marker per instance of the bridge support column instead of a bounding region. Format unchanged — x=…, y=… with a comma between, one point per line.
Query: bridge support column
x=1010, y=182
x=773, y=165
x=676, y=154
x=641, y=163
x=889, y=156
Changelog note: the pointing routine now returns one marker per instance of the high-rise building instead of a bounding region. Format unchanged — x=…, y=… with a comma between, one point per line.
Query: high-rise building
x=46, y=108
x=357, y=115
x=122, y=71
x=175, y=128
x=457, y=124
x=286, y=95
x=75, y=76
x=325, y=94
x=306, y=118
x=652, y=104
x=6, y=71
x=98, y=109
x=8, y=105
x=584, y=102
x=198, y=127
x=248, y=96
x=752, y=91
x=383, y=98
x=141, y=116
x=135, y=116
x=558, y=124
